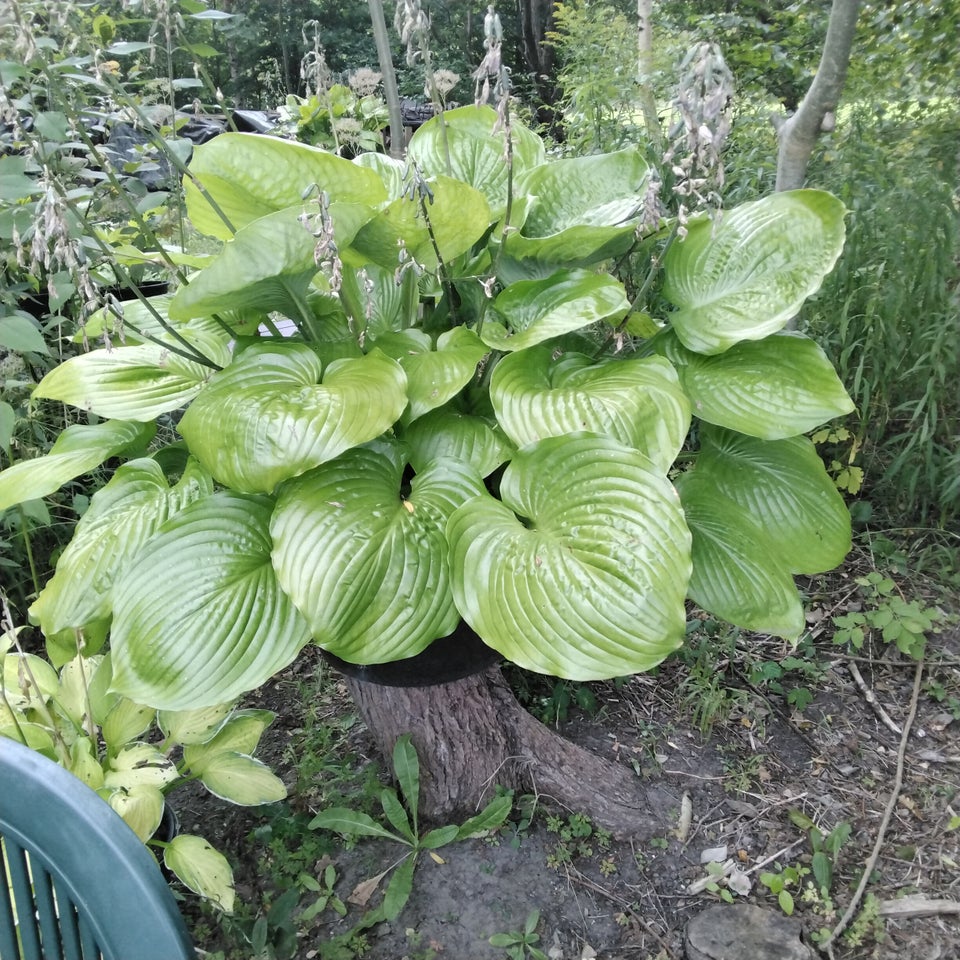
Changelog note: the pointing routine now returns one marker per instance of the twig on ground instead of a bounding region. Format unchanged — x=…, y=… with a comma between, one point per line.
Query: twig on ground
x=871, y=863
x=777, y=855
x=871, y=698
x=574, y=874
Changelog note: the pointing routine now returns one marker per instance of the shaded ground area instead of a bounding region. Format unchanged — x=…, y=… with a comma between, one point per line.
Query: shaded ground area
x=735, y=774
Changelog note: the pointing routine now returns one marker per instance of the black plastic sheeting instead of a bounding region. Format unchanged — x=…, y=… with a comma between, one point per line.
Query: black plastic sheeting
x=460, y=655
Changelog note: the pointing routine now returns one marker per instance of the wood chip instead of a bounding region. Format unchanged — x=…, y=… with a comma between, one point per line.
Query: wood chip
x=918, y=906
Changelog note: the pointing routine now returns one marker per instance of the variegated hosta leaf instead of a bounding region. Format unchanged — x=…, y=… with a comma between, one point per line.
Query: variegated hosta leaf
x=536, y=310
x=78, y=450
x=267, y=266
x=744, y=276
x=240, y=734
x=140, y=805
x=250, y=176
x=201, y=868
x=242, y=780
x=783, y=485
x=28, y=681
x=200, y=619
x=773, y=388
x=638, y=402
x=581, y=571
x=140, y=763
x=121, y=518
x=446, y=434
x=367, y=565
x=268, y=417
x=193, y=726
x=736, y=573
x=120, y=720
x=469, y=143
x=585, y=209
x=434, y=376
x=458, y=216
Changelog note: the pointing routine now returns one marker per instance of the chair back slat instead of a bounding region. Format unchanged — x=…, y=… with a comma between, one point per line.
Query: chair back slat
x=90, y=948
x=8, y=930
x=27, y=929
x=69, y=922
x=78, y=884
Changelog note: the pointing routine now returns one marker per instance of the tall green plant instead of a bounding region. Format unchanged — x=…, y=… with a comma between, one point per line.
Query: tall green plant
x=889, y=313
x=460, y=424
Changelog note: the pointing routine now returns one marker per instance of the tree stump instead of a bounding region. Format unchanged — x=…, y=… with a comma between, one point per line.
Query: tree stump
x=472, y=735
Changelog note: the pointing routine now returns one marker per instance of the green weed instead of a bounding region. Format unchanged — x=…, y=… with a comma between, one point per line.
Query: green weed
x=521, y=945
x=403, y=818
x=578, y=837
x=886, y=615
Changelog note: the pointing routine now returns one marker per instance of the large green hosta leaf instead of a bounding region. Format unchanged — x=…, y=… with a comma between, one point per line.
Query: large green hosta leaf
x=122, y=516
x=268, y=266
x=445, y=433
x=133, y=383
x=536, y=310
x=458, y=216
x=250, y=176
x=737, y=574
x=268, y=416
x=581, y=571
x=434, y=376
x=199, y=617
x=78, y=450
x=783, y=485
x=638, y=402
x=469, y=143
x=376, y=302
x=584, y=209
x=744, y=276
x=132, y=321
x=777, y=387
x=367, y=566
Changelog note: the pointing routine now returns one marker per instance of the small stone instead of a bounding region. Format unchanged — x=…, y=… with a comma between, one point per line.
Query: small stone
x=741, y=930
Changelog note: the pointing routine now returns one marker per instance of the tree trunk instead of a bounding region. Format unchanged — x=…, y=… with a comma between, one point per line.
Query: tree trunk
x=648, y=101
x=472, y=735
x=536, y=19
x=390, y=92
x=799, y=133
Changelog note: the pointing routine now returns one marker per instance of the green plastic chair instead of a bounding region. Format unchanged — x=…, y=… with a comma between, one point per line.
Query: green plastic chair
x=75, y=881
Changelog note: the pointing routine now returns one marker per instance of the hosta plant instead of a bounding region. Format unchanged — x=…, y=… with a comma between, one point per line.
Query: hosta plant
x=414, y=393
x=134, y=756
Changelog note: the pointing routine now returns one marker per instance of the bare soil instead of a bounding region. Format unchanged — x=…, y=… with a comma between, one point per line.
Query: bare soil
x=728, y=766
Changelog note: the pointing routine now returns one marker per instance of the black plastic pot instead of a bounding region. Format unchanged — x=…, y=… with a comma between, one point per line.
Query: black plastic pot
x=459, y=655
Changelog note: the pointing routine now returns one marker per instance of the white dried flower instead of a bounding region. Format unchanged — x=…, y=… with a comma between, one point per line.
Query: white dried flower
x=364, y=82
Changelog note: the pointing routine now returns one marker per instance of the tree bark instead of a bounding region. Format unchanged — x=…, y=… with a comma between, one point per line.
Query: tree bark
x=472, y=735
x=648, y=102
x=799, y=133
x=390, y=91
x=536, y=18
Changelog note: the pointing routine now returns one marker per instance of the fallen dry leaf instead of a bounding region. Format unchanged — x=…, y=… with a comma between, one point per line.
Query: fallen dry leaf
x=362, y=892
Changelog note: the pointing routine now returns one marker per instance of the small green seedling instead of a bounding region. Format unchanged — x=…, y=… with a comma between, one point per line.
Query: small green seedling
x=778, y=884
x=402, y=817
x=325, y=895
x=521, y=946
x=716, y=873
x=826, y=849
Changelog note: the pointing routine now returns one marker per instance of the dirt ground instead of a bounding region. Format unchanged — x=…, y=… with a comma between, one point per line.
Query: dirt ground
x=736, y=791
